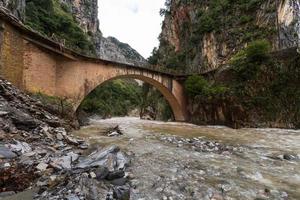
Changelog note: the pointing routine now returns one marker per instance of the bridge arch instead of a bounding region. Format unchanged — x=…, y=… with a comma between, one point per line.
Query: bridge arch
x=178, y=111
x=42, y=65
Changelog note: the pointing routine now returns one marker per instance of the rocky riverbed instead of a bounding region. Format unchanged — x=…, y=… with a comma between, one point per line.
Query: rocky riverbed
x=184, y=161
x=38, y=156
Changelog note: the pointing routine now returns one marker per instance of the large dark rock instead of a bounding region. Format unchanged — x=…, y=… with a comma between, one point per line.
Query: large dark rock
x=101, y=172
x=119, y=181
x=22, y=120
x=115, y=175
x=121, y=193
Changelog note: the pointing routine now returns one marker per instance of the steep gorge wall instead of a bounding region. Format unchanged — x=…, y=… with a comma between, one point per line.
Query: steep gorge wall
x=261, y=89
x=289, y=23
x=17, y=7
x=199, y=36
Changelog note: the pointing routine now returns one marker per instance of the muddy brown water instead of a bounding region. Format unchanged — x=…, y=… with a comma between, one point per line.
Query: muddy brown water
x=161, y=170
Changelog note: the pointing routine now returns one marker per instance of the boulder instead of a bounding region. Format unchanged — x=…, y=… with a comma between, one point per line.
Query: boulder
x=121, y=193
x=101, y=172
x=104, y=157
x=6, y=153
x=60, y=163
x=115, y=175
x=22, y=120
x=20, y=147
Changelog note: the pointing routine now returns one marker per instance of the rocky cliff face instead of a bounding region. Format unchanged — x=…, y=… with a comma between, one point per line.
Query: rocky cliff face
x=17, y=7
x=85, y=13
x=199, y=36
x=289, y=23
x=112, y=49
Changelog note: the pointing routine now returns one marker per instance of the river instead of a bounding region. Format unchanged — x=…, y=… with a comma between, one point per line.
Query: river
x=184, y=161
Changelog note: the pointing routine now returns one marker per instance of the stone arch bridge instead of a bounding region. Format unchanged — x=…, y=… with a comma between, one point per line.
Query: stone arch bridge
x=36, y=64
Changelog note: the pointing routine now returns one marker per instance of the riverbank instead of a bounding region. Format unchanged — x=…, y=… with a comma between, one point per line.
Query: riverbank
x=39, y=156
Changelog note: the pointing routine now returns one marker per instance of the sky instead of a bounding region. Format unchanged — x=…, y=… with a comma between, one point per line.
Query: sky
x=136, y=22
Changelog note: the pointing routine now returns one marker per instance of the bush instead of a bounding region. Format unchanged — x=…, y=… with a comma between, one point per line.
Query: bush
x=258, y=51
x=206, y=24
x=195, y=85
x=198, y=86
x=248, y=62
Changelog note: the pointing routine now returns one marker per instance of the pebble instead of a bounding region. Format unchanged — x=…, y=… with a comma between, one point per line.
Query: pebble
x=7, y=165
x=59, y=136
x=93, y=175
x=42, y=166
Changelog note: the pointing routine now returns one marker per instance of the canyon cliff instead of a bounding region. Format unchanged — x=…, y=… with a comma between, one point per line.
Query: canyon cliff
x=17, y=7
x=200, y=36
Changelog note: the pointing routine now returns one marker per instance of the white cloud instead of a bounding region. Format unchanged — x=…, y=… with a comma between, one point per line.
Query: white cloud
x=136, y=22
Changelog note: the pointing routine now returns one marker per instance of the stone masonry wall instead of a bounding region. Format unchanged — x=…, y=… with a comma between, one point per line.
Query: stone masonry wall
x=40, y=70
x=11, y=55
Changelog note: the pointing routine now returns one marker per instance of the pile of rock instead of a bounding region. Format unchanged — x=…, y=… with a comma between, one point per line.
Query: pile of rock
x=101, y=175
x=114, y=132
x=201, y=145
x=37, y=152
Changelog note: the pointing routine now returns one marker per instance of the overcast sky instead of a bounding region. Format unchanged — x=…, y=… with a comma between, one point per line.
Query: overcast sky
x=136, y=22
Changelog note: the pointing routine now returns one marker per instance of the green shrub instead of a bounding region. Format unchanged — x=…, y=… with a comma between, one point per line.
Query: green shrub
x=248, y=62
x=245, y=19
x=258, y=51
x=206, y=24
x=198, y=86
x=195, y=85
x=55, y=105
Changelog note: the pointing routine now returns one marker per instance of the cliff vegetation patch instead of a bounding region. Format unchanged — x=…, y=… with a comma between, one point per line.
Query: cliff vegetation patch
x=54, y=20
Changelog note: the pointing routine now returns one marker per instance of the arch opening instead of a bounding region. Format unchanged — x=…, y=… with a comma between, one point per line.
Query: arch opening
x=169, y=97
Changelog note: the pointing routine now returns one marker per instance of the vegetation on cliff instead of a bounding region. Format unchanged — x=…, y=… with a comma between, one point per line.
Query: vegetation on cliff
x=198, y=86
x=191, y=29
x=264, y=89
x=267, y=86
x=55, y=20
